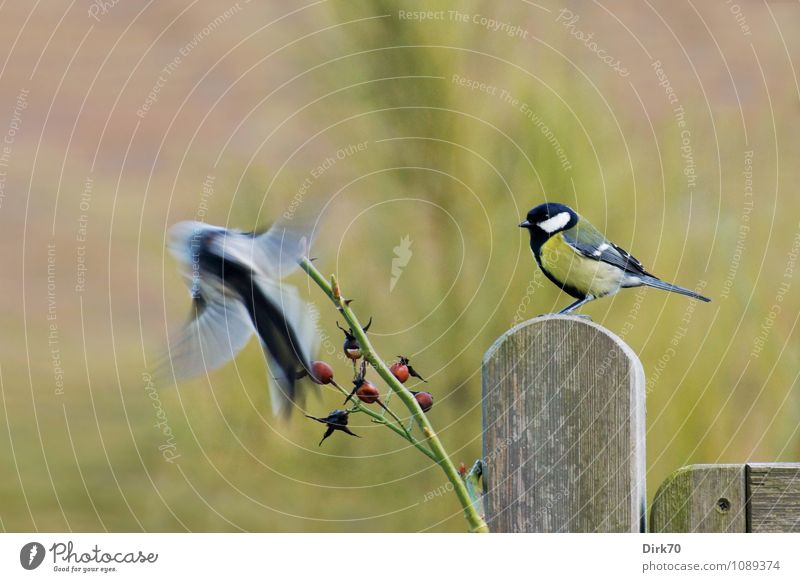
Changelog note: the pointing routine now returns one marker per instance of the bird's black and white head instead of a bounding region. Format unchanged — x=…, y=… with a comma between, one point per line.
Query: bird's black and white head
x=548, y=219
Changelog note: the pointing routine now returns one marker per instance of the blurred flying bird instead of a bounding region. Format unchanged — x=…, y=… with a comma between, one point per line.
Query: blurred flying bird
x=575, y=256
x=234, y=280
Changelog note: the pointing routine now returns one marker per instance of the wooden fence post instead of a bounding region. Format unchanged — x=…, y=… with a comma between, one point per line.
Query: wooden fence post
x=701, y=498
x=756, y=497
x=563, y=430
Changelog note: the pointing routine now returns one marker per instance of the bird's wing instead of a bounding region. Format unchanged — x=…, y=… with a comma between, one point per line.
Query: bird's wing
x=184, y=242
x=278, y=249
x=217, y=330
x=289, y=337
x=591, y=243
x=272, y=253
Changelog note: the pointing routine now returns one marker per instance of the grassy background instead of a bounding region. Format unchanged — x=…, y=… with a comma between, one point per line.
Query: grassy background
x=257, y=104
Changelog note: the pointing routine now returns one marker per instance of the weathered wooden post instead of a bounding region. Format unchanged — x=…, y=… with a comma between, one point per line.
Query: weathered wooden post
x=563, y=430
x=756, y=497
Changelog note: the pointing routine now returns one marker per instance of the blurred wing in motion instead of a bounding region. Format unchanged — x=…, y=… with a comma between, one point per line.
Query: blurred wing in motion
x=278, y=250
x=234, y=279
x=273, y=253
x=216, y=331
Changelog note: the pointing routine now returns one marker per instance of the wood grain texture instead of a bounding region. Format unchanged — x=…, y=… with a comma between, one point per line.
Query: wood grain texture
x=702, y=499
x=563, y=420
x=757, y=497
x=774, y=492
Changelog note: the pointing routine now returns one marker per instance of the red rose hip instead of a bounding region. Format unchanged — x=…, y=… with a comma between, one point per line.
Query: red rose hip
x=424, y=399
x=367, y=392
x=321, y=372
x=399, y=371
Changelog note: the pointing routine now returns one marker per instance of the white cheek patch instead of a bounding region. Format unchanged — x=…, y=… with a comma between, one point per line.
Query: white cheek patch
x=555, y=223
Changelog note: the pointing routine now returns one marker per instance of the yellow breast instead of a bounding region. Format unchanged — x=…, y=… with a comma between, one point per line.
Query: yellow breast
x=585, y=275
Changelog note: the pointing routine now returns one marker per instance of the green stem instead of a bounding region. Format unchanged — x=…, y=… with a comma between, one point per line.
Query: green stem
x=438, y=453
x=397, y=420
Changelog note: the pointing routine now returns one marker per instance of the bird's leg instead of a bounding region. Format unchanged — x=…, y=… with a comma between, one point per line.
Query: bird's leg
x=573, y=306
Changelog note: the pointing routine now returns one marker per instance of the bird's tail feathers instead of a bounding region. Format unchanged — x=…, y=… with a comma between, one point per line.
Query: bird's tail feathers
x=282, y=390
x=659, y=284
x=299, y=316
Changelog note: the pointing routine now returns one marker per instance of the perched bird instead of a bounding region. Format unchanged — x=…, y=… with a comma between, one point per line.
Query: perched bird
x=336, y=420
x=575, y=256
x=234, y=281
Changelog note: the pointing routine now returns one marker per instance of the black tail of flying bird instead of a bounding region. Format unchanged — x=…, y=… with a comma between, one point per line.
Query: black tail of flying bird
x=576, y=256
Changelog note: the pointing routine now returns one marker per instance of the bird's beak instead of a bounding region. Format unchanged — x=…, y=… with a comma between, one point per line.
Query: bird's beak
x=524, y=224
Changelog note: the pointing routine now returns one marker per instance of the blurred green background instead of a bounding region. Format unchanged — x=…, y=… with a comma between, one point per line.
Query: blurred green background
x=467, y=119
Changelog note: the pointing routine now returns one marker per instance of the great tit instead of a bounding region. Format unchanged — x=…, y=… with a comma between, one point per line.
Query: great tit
x=234, y=281
x=575, y=256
